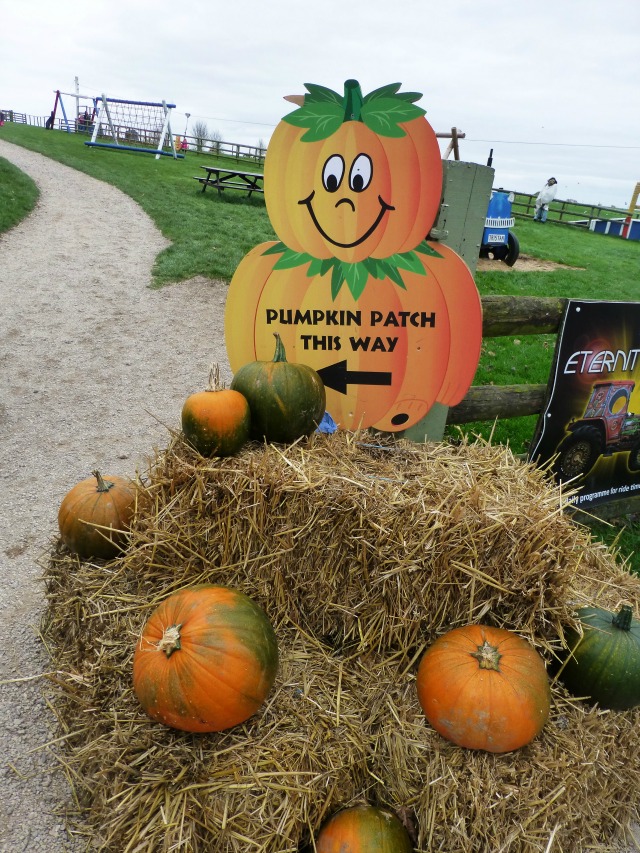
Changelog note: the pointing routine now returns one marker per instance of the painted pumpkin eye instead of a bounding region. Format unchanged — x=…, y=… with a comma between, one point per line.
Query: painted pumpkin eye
x=361, y=172
x=332, y=173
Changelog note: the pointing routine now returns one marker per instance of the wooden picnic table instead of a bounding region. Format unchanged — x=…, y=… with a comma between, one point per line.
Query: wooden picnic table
x=223, y=178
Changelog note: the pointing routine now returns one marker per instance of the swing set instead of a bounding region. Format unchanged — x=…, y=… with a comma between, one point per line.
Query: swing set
x=83, y=121
x=123, y=125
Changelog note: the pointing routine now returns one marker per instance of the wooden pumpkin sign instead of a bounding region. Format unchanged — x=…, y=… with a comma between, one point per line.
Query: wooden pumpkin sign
x=392, y=323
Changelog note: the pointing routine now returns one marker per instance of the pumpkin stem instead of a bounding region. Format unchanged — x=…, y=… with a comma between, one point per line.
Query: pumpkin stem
x=170, y=641
x=352, y=100
x=214, y=378
x=623, y=618
x=488, y=656
x=280, y=354
x=103, y=485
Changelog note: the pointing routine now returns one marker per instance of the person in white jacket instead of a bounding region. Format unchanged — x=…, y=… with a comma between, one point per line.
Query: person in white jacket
x=546, y=194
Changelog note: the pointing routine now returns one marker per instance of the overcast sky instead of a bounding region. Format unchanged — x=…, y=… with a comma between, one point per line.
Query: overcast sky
x=551, y=85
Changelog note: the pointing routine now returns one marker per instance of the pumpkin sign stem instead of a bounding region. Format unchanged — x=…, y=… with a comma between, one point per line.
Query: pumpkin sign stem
x=170, y=641
x=103, y=485
x=280, y=354
x=488, y=656
x=352, y=100
x=623, y=618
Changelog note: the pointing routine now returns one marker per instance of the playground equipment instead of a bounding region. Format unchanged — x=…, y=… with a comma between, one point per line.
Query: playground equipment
x=629, y=223
x=627, y=227
x=83, y=120
x=141, y=126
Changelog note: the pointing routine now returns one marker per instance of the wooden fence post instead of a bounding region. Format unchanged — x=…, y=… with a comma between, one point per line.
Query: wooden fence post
x=466, y=190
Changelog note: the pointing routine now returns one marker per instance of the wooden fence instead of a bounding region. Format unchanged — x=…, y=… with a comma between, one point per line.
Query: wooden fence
x=22, y=118
x=505, y=316
x=566, y=211
x=210, y=147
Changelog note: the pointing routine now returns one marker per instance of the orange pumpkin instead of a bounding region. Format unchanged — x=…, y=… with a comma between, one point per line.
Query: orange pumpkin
x=206, y=660
x=425, y=341
x=217, y=421
x=95, y=514
x=484, y=688
x=370, y=187
x=363, y=829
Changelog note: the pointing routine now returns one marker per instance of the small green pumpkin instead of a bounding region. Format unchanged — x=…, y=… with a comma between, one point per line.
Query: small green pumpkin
x=287, y=400
x=604, y=662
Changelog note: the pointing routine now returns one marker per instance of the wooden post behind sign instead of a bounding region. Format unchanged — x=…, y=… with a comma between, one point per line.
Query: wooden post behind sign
x=466, y=190
x=632, y=209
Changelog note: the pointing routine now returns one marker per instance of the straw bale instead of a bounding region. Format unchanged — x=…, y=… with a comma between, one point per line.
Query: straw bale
x=141, y=786
x=575, y=781
x=361, y=551
x=372, y=543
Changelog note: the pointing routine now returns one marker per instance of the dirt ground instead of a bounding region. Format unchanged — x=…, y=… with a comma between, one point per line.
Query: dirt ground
x=525, y=263
x=94, y=368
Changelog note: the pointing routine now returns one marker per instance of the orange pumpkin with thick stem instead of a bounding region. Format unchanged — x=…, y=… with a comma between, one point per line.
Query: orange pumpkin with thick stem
x=484, y=688
x=95, y=515
x=432, y=358
x=206, y=660
x=217, y=421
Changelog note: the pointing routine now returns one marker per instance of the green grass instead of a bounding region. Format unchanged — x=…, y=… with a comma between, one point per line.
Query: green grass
x=211, y=233
x=19, y=195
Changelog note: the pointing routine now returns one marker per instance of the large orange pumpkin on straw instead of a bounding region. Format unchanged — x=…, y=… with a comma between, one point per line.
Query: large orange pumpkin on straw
x=484, y=688
x=390, y=322
x=206, y=660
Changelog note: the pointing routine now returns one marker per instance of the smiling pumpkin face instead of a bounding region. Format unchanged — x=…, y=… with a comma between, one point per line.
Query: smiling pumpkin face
x=356, y=194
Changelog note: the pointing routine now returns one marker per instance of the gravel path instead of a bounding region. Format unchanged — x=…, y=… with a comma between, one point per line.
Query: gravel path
x=93, y=364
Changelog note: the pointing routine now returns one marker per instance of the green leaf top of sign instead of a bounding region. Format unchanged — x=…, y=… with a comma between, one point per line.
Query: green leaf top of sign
x=355, y=275
x=384, y=110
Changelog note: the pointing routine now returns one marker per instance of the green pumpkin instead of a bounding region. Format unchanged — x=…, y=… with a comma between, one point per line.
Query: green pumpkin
x=286, y=400
x=604, y=664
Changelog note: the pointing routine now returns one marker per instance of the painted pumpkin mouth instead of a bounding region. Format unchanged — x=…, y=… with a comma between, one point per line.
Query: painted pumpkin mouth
x=384, y=207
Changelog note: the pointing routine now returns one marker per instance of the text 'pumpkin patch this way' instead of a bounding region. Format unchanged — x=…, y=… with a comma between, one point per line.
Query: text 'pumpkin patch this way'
x=391, y=322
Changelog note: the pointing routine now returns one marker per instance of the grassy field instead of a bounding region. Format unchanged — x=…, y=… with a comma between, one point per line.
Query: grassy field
x=211, y=233
x=19, y=195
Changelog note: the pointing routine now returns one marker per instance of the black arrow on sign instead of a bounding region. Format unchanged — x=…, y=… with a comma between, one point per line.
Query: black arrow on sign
x=337, y=376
